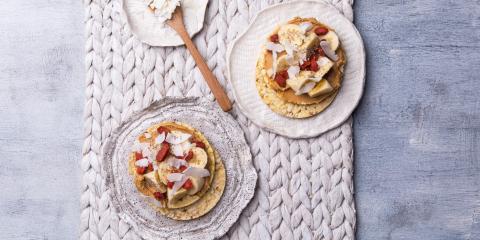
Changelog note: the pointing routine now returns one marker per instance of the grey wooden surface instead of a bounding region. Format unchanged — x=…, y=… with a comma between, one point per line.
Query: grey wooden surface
x=417, y=130
x=417, y=139
x=41, y=107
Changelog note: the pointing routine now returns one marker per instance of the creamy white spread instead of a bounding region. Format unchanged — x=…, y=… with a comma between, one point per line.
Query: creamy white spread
x=163, y=9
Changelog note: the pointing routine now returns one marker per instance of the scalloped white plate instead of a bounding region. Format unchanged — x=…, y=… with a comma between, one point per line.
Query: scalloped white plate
x=242, y=57
x=223, y=133
x=146, y=27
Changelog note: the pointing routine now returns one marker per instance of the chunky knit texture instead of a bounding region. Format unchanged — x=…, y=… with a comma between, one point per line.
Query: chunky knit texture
x=305, y=187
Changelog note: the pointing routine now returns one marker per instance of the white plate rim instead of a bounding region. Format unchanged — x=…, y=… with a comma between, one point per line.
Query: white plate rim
x=250, y=175
x=284, y=132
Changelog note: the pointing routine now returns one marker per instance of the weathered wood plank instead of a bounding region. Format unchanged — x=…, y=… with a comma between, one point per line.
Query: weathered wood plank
x=417, y=130
x=41, y=89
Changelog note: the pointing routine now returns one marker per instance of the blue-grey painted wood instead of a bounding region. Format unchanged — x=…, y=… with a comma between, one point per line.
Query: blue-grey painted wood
x=41, y=105
x=417, y=130
x=417, y=139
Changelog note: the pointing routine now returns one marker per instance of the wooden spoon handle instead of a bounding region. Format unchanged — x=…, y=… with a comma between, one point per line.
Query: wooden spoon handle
x=211, y=80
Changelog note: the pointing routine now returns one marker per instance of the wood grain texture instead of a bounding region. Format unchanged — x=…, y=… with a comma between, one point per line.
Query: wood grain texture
x=41, y=89
x=176, y=22
x=417, y=130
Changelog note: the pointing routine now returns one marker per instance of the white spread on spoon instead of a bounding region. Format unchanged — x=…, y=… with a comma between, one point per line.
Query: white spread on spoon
x=163, y=8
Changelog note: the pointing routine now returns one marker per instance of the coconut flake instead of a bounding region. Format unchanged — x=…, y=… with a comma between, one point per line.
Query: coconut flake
x=293, y=71
x=289, y=48
x=291, y=60
x=315, y=79
x=176, y=150
x=160, y=138
x=177, y=137
x=323, y=61
x=328, y=51
x=270, y=72
x=175, y=177
x=196, y=172
x=180, y=149
x=137, y=146
x=143, y=148
x=274, y=47
x=274, y=60
x=302, y=57
x=305, y=26
x=175, y=162
x=149, y=153
x=142, y=162
x=305, y=88
x=177, y=185
x=178, y=180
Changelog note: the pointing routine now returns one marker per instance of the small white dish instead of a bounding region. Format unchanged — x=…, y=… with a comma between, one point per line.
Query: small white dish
x=149, y=29
x=242, y=57
x=222, y=132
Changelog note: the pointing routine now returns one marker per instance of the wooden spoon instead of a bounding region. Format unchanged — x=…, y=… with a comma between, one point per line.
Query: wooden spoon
x=176, y=22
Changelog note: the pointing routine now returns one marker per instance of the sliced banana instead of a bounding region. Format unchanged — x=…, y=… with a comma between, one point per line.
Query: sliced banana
x=200, y=158
x=311, y=42
x=322, y=87
x=306, y=88
x=163, y=171
x=324, y=65
x=152, y=181
x=151, y=178
x=332, y=39
x=296, y=83
x=197, y=185
x=291, y=33
x=282, y=63
x=175, y=197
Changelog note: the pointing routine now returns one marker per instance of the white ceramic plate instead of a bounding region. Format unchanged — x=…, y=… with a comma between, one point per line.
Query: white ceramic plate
x=146, y=27
x=242, y=57
x=223, y=133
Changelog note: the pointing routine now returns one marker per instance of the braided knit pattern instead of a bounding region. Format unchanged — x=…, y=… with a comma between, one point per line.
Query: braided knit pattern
x=305, y=187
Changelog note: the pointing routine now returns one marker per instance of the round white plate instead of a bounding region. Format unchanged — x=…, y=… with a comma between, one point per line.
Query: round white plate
x=242, y=57
x=225, y=135
x=146, y=27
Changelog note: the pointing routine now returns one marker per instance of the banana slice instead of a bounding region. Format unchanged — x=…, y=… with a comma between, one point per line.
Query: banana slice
x=311, y=42
x=322, y=87
x=175, y=197
x=291, y=33
x=324, y=65
x=332, y=39
x=152, y=181
x=282, y=63
x=200, y=158
x=163, y=171
x=297, y=82
x=197, y=185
